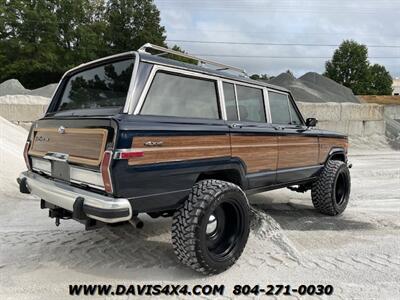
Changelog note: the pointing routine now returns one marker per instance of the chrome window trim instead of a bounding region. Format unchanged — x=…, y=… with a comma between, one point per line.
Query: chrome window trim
x=223, y=77
x=157, y=68
x=100, y=60
x=243, y=83
x=236, y=100
x=219, y=80
x=128, y=107
x=267, y=107
x=222, y=100
x=264, y=94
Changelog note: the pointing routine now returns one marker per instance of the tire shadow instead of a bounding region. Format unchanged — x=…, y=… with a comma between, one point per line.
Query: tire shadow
x=301, y=215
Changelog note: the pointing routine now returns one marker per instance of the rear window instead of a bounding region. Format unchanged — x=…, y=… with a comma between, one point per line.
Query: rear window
x=104, y=86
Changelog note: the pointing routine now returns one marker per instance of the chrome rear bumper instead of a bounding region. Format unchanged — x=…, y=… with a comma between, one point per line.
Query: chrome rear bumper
x=95, y=206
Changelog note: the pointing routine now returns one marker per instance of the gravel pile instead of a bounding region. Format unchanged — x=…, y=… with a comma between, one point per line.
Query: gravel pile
x=14, y=87
x=313, y=87
x=24, y=99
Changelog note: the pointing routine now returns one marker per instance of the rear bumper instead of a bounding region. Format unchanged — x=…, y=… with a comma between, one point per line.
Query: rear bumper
x=95, y=206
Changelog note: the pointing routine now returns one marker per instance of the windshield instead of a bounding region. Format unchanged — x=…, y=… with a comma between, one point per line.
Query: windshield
x=105, y=86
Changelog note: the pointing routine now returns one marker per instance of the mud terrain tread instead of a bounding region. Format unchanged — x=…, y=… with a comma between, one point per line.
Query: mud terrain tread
x=322, y=189
x=187, y=219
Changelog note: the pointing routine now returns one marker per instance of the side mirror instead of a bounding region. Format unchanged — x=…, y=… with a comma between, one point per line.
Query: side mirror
x=311, y=122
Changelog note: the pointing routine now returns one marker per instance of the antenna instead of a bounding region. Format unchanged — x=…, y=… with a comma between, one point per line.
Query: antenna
x=200, y=61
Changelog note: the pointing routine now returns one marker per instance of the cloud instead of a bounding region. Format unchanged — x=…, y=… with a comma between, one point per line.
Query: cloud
x=370, y=22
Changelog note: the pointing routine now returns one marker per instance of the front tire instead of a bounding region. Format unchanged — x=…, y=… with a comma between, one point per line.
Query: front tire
x=330, y=193
x=210, y=230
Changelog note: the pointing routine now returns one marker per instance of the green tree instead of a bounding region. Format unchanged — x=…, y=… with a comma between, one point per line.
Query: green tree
x=41, y=39
x=28, y=41
x=132, y=23
x=260, y=77
x=180, y=58
x=350, y=67
x=380, y=81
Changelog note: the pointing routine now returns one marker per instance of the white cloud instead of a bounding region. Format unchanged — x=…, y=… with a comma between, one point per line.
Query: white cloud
x=371, y=22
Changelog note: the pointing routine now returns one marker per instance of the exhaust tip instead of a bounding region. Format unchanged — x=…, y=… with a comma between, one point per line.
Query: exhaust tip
x=136, y=222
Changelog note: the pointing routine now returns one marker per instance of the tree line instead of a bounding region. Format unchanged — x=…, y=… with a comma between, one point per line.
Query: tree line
x=41, y=39
x=350, y=67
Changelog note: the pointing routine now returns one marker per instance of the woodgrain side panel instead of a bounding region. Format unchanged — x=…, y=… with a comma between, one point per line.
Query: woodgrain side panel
x=326, y=144
x=178, y=148
x=259, y=153
x=84, y=146
x=297, y=151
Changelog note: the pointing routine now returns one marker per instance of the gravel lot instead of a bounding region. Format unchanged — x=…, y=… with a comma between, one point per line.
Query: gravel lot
x=290, y=243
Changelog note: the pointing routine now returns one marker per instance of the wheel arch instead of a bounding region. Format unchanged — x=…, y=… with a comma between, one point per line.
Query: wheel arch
x=232, y=174
x=337, y=154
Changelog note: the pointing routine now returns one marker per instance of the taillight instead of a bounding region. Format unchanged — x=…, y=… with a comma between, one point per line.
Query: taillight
x=105, y=171
x=26, y=157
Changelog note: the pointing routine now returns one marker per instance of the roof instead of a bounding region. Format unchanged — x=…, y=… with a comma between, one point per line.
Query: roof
x=181, y=65
x=155, y=59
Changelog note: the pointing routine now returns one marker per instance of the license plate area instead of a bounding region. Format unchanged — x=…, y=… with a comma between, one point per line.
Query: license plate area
x=60, y=170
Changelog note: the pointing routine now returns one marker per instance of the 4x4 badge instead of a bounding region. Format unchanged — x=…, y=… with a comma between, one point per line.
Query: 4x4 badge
x=61, y=130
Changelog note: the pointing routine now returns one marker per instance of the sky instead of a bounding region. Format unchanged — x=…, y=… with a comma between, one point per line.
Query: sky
x=191, y=23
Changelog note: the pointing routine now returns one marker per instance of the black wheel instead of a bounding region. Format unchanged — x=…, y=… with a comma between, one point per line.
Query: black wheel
x=210, y=230
x=330, y=194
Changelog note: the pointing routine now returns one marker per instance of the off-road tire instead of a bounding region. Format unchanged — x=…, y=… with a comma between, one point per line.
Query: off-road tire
x=190, y=221
x=324, y=191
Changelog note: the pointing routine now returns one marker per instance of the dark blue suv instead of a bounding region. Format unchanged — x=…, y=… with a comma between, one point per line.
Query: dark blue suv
x=139, y=133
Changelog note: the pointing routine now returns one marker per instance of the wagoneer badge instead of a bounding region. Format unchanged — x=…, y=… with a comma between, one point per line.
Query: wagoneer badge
x=40, y=138
x=61, y=130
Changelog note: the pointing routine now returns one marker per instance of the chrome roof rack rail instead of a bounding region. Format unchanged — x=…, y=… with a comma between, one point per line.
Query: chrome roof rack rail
x=200, y=61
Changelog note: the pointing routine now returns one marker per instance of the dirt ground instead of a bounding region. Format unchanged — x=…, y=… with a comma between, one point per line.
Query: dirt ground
x=290, y=243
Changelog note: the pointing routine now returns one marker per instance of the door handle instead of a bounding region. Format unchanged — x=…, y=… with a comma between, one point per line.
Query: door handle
x=279, y=127
x=235, y=125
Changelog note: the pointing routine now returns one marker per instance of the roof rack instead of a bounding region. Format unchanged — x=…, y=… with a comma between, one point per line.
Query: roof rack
x=200, y=61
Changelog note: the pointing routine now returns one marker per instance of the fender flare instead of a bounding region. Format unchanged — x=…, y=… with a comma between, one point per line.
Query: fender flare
x=335, y=152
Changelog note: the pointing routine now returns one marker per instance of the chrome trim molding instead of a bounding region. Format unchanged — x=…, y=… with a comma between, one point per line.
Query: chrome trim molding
x=221, y=97
x=64, y=195
x=128, y=107
x=77, y=175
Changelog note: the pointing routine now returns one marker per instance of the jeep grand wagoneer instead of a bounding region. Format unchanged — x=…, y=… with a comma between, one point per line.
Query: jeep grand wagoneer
x=138, y=133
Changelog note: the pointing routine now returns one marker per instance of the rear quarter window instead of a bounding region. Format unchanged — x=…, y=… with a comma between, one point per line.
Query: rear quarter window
x=176, y=95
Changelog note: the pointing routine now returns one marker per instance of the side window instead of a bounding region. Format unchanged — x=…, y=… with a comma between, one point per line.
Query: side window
x=279, y=107
x=251, y=104
x=294, y=115
x=180, y=96
x=230, y=102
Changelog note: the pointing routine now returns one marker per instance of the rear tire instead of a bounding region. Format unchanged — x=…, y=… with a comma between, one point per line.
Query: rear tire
x=210, y=230
x=330, y=194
